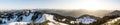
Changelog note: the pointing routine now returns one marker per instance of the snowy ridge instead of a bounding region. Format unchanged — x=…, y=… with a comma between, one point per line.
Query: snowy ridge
x=26, y=17
x=21, y=17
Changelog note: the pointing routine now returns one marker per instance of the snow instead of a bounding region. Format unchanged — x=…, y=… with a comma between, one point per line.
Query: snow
x=25, y=19
x=86, y=20
x=18, y=23
x=52, y=21
x=40, y=20
x=28, y=18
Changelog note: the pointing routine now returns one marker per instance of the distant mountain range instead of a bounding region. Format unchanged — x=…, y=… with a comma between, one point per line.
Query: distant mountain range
x=57, y=17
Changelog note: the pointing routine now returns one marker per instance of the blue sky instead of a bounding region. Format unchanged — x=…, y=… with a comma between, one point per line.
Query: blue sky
x=58, y=3
x=19, y=3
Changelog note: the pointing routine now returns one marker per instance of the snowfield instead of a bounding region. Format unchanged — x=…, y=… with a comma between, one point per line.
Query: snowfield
x=58, y=17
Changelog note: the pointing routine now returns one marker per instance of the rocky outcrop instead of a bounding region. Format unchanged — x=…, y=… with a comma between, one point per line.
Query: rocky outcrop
x=21, y=16
x=42, y=17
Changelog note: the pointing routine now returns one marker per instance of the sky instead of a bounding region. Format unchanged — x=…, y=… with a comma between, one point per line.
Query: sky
x=60, y=4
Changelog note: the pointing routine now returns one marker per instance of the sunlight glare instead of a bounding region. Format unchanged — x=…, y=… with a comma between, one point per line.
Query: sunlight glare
x=92, y=4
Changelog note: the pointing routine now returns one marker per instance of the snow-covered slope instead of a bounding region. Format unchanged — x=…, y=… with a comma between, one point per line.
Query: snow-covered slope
x=6, y=18
x=24, y=17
